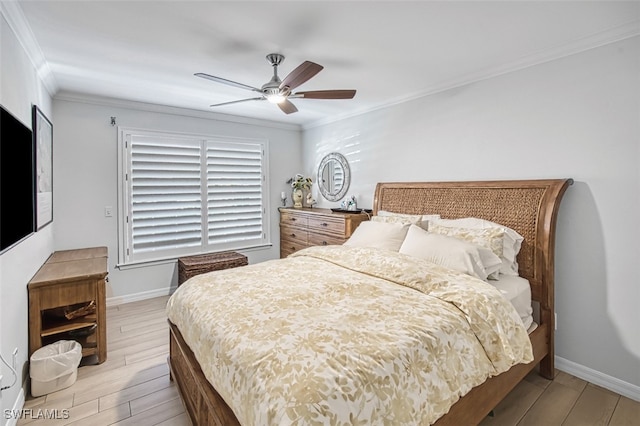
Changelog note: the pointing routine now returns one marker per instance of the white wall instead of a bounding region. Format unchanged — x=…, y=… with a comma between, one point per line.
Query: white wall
x=20, y=87
x=577, y=117
x=85, y=178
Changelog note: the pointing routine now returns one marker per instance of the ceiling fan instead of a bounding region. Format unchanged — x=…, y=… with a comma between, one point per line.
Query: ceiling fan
x=280, y=91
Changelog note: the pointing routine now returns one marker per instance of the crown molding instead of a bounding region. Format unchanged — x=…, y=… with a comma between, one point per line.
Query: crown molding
x=15, y=18
x=629, y=30
x=18, y=23
x=165, y=109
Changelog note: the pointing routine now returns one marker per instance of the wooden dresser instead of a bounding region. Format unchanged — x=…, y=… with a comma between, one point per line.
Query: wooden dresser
x=68, y=282
x=306, y=227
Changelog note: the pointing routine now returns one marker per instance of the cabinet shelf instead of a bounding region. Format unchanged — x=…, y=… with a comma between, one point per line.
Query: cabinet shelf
x=89, y=351
x=63, y=326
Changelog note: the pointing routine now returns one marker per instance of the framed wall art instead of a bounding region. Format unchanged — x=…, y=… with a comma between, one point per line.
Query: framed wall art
x=43, y=141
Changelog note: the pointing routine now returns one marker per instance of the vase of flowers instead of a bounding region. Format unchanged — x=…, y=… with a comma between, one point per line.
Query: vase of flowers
x=297, y=198
x=299, y=184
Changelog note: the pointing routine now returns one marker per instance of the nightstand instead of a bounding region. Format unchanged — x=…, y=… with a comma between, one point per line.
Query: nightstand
x=70, y=279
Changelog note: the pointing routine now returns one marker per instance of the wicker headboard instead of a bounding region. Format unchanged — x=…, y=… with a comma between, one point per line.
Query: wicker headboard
x=527, y=206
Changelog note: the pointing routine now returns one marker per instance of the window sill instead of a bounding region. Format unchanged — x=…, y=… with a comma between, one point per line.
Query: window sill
x=173, y=259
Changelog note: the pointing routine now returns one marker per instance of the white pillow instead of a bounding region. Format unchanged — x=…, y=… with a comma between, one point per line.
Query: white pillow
x=492, y=262
x=491, y=238
x=403, y=220
x=422, y=220
x=512, y=241
x=388, y=236
x=450, y=252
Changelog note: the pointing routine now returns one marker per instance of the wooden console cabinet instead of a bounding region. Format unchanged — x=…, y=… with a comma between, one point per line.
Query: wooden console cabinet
x=70, y=280
x=306, y=227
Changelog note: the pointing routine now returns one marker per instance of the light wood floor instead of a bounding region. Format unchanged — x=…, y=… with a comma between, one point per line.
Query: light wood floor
x=132, y=387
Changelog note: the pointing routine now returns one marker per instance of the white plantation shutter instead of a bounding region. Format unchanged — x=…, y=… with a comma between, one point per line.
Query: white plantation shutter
x=234, y=193
x=185, y=195
x=165, y=194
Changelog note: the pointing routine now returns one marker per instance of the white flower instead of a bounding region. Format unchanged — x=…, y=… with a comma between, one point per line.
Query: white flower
x=300, y=182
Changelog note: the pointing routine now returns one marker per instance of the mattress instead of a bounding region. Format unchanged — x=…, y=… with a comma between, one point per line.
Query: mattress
x=346, y=335
x=517, y=291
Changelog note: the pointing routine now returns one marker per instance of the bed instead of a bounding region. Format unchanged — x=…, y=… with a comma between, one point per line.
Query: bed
x=529, y=207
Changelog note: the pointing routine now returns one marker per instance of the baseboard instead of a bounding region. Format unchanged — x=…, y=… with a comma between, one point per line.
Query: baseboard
x=135, y=297
x=597, y=378
x=17, y=407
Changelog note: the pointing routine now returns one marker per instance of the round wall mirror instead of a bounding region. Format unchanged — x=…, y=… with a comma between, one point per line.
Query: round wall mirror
x=334, y=176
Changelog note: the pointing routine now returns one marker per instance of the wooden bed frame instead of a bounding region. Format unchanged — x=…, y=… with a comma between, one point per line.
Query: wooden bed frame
x=528, y=206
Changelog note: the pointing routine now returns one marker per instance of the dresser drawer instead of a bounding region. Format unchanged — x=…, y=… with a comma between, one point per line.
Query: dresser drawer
x=290, y=246
x=327, y=225
x=291, y=218
x=294, y=234
x=325, y=240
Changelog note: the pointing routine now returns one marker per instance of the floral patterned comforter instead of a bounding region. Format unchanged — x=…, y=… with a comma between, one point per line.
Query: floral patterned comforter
x=340, y=335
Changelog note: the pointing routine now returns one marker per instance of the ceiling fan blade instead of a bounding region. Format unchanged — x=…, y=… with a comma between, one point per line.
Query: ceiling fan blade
x=302, y=73
x=326, y=94
x=235, y=102
x=227, y=82
x=287, y=107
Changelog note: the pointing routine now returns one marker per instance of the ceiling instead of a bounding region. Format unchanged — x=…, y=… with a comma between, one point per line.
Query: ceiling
x=148, y=51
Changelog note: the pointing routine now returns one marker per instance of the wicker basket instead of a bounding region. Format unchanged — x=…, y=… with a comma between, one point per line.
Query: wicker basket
x=194, y=265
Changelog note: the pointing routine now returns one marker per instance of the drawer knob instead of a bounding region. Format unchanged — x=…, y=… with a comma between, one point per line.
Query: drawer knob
x=293, y=235
x=324, y=224
x=324, y=243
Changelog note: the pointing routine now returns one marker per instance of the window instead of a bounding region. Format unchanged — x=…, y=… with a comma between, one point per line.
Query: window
x=186, y=194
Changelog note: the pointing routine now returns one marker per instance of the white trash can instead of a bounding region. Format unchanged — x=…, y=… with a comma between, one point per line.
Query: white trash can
x=54, y=367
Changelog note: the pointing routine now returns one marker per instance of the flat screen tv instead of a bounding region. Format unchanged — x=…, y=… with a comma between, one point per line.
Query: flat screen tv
x=17, y=187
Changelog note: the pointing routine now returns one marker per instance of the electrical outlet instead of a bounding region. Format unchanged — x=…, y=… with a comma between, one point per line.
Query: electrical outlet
x=108, y=211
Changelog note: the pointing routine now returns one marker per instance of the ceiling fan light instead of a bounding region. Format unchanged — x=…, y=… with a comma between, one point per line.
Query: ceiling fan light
x=278, y=91
x=276, y=98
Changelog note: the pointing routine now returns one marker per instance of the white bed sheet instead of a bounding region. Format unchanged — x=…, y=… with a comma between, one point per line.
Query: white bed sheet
x=518, y=291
